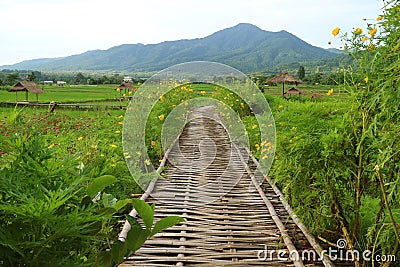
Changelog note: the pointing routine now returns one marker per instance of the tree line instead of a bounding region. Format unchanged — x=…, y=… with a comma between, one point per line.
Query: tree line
x=10, y=77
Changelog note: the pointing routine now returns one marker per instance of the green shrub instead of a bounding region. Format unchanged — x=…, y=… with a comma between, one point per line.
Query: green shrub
x=49, y=213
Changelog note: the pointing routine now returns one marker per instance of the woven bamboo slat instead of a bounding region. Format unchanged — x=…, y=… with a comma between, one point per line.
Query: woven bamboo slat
x=231, y=229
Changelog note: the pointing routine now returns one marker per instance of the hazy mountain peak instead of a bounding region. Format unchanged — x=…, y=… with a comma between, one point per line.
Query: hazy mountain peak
x=243, y=46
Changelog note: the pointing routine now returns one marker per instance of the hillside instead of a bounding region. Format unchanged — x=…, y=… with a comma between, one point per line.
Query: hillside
x=244, y=46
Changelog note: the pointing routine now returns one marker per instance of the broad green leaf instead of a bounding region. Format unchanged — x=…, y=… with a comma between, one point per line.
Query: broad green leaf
x=99, y=184
x=121, y=203
x=105, y=258
x=165, y=223
x=86, y=200
x=106, y=211
x=108, y=200
x=132, y=221
x=145, y=212
x=136, y=238
x=118, y=251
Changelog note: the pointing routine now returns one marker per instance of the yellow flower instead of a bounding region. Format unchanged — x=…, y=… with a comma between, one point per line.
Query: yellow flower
x=265, y=157
x=153, y=143
x=373, y=31
x=371, y=47
x=128, y=156
x=147, y=162
x=113, y=165
x=330, y=92
x=280, y=107
x=242, y=105
x=130, y=93
x=162, y=98
x=117, y=131
x=365, y=39
x=50, y=146
x=379, y=18
x=123, y=94
x=254, y=126
x=161, y=117
x=80, y=138
x=120, y=122
x=335, y=31
x=203, y=92
x=366, y=79
x=358, y=31
x=118, y=90
x=93, y=146
x=113, y=146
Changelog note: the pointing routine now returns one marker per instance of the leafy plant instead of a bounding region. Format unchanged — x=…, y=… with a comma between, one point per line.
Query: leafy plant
x=139, y=233
x=48, y=211
x=351, y=166
x=15, y=116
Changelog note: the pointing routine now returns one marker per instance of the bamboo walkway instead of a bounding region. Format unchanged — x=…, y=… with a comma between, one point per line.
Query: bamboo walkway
x=248, y=226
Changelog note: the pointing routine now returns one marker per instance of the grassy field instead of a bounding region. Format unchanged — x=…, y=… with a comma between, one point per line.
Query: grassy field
x=63, y=127
x=56, y=151
x=69, y=93
x=97, y=93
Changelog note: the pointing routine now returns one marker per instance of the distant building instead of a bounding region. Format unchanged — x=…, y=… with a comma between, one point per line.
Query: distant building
x=294, y=91
x=126, y=87
x=61, y=83
x=128, y=79
x=48, y=82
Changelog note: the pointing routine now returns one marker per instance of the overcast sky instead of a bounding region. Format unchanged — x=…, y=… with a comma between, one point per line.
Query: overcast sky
x=53, y=28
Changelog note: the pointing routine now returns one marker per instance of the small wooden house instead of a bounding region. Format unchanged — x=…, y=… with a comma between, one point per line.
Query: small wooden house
x=126, y=87
x=294, y=91
x=27, y=87
x=283, y=78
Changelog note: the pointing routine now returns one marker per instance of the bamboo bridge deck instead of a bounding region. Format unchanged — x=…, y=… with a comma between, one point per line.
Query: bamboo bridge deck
x=251, y=225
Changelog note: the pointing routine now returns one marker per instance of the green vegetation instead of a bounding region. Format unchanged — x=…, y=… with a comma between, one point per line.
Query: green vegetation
x=64, y=187
x=347, y=154
x=69, y=94
x=337, y=160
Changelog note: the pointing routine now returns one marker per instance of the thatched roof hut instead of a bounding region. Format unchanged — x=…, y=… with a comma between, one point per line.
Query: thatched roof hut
x=294, y=91
x=126, y=87
x=283, y=78
x=26, y=87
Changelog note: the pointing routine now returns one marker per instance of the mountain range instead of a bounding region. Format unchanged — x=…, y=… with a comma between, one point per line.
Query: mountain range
x=244, y=46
